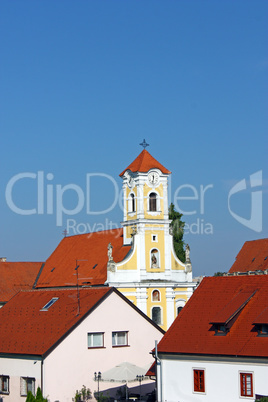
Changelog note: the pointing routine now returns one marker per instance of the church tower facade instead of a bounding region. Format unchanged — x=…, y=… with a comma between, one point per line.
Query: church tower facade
x=151, y=275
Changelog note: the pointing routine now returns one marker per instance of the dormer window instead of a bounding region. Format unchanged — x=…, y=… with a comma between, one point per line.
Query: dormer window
x=262, y=329
x=152, y=202
x=221, y=329
x=225, y=318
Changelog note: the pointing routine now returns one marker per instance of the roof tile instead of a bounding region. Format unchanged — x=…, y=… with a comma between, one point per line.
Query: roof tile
x=192, y=332
x=253, y=256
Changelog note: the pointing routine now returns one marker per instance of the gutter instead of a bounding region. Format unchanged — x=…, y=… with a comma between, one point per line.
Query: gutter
x=158, y=365
x=42, y=376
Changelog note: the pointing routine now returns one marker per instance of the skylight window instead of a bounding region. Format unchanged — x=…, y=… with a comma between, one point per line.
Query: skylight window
x=49, y=304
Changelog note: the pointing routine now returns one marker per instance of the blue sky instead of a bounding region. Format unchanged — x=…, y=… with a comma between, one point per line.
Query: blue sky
x=82, y=83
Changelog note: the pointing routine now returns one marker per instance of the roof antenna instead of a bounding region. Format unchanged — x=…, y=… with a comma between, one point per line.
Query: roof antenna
x=77, y=287
x=144, y=144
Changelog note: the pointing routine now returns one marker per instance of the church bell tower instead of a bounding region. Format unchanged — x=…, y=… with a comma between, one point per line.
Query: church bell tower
x=151, y=275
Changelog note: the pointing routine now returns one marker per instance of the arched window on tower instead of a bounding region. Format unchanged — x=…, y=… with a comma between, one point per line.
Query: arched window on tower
x=156, y=295
x=152, y=202
x=156, y=315
x=179, y=310
x=131, y=203
x=132, y=197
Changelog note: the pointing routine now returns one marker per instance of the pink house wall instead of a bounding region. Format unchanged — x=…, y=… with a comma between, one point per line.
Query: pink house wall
x=72, y=365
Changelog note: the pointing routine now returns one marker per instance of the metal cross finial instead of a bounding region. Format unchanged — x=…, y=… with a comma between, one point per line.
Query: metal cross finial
x=65, y=232
x=144, y=144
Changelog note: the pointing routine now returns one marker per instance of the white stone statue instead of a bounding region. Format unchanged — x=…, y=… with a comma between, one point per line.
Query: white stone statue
x=110, y=252
x=187, y=253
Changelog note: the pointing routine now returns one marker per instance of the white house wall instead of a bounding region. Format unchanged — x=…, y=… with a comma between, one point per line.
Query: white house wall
x=15, y=369
x=222, y=380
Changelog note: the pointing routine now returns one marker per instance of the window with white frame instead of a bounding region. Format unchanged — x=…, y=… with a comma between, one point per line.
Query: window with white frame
x=154, y=238
x=27, y=384
x=199, y=380
x=131, y=203
x=157, y=315
x=153, y=202
x=120, y=338
x=4, y=384
x=246, y=384
x=95, y=339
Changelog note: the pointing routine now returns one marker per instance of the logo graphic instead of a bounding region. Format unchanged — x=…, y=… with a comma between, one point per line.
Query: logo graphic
x=255, y=220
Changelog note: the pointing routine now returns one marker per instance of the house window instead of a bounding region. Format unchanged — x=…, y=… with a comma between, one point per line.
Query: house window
x=131, y=203
x=154, y=258
x=120, y=338
x=154, y=238
x=156, y=315
x=199, y=380
x=4, y=384
x=246, y=384
x=95, y=340
x=156, y=295
x=152, y=202
x=27, y=384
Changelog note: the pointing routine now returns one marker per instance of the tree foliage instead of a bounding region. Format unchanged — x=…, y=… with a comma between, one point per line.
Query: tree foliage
x=178, y=229
x=38, y=398
x=83, y=395
x=219, y=273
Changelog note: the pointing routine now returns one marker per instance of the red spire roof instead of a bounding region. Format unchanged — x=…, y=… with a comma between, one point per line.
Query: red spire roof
x=253, y=256
x=144, y=162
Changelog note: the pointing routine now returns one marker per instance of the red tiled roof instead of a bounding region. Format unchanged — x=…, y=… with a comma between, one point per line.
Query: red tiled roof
x=151, y=371
x=89, y=251
x=253, y=256
x=16, y=276
x=24, y=329
x=192, y=332
x=262, y=318
x=143, y=163
x=234, y=306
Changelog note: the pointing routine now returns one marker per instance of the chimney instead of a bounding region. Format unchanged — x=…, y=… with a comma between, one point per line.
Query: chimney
x=3, y=259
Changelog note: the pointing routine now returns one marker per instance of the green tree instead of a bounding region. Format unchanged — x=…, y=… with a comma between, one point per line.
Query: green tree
x=219, y=273
x=38, y=398
x=178, y=229
x=83, y=395
x=30, y=397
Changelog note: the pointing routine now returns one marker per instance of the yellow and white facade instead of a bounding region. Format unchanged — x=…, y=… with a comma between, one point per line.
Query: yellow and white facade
x=151, y=275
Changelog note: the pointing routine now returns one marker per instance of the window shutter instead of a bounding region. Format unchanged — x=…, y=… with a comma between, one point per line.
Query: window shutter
x=23, y=388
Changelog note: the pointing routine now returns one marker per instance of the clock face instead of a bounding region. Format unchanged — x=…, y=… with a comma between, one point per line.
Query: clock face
x=153, y=178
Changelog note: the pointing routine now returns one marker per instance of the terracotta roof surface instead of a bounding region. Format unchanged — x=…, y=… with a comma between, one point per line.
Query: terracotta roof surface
x=193, y=333
x=89, y=251
x=16, y=276
x=143, y=163
x=253, y=256
x=25, y=329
